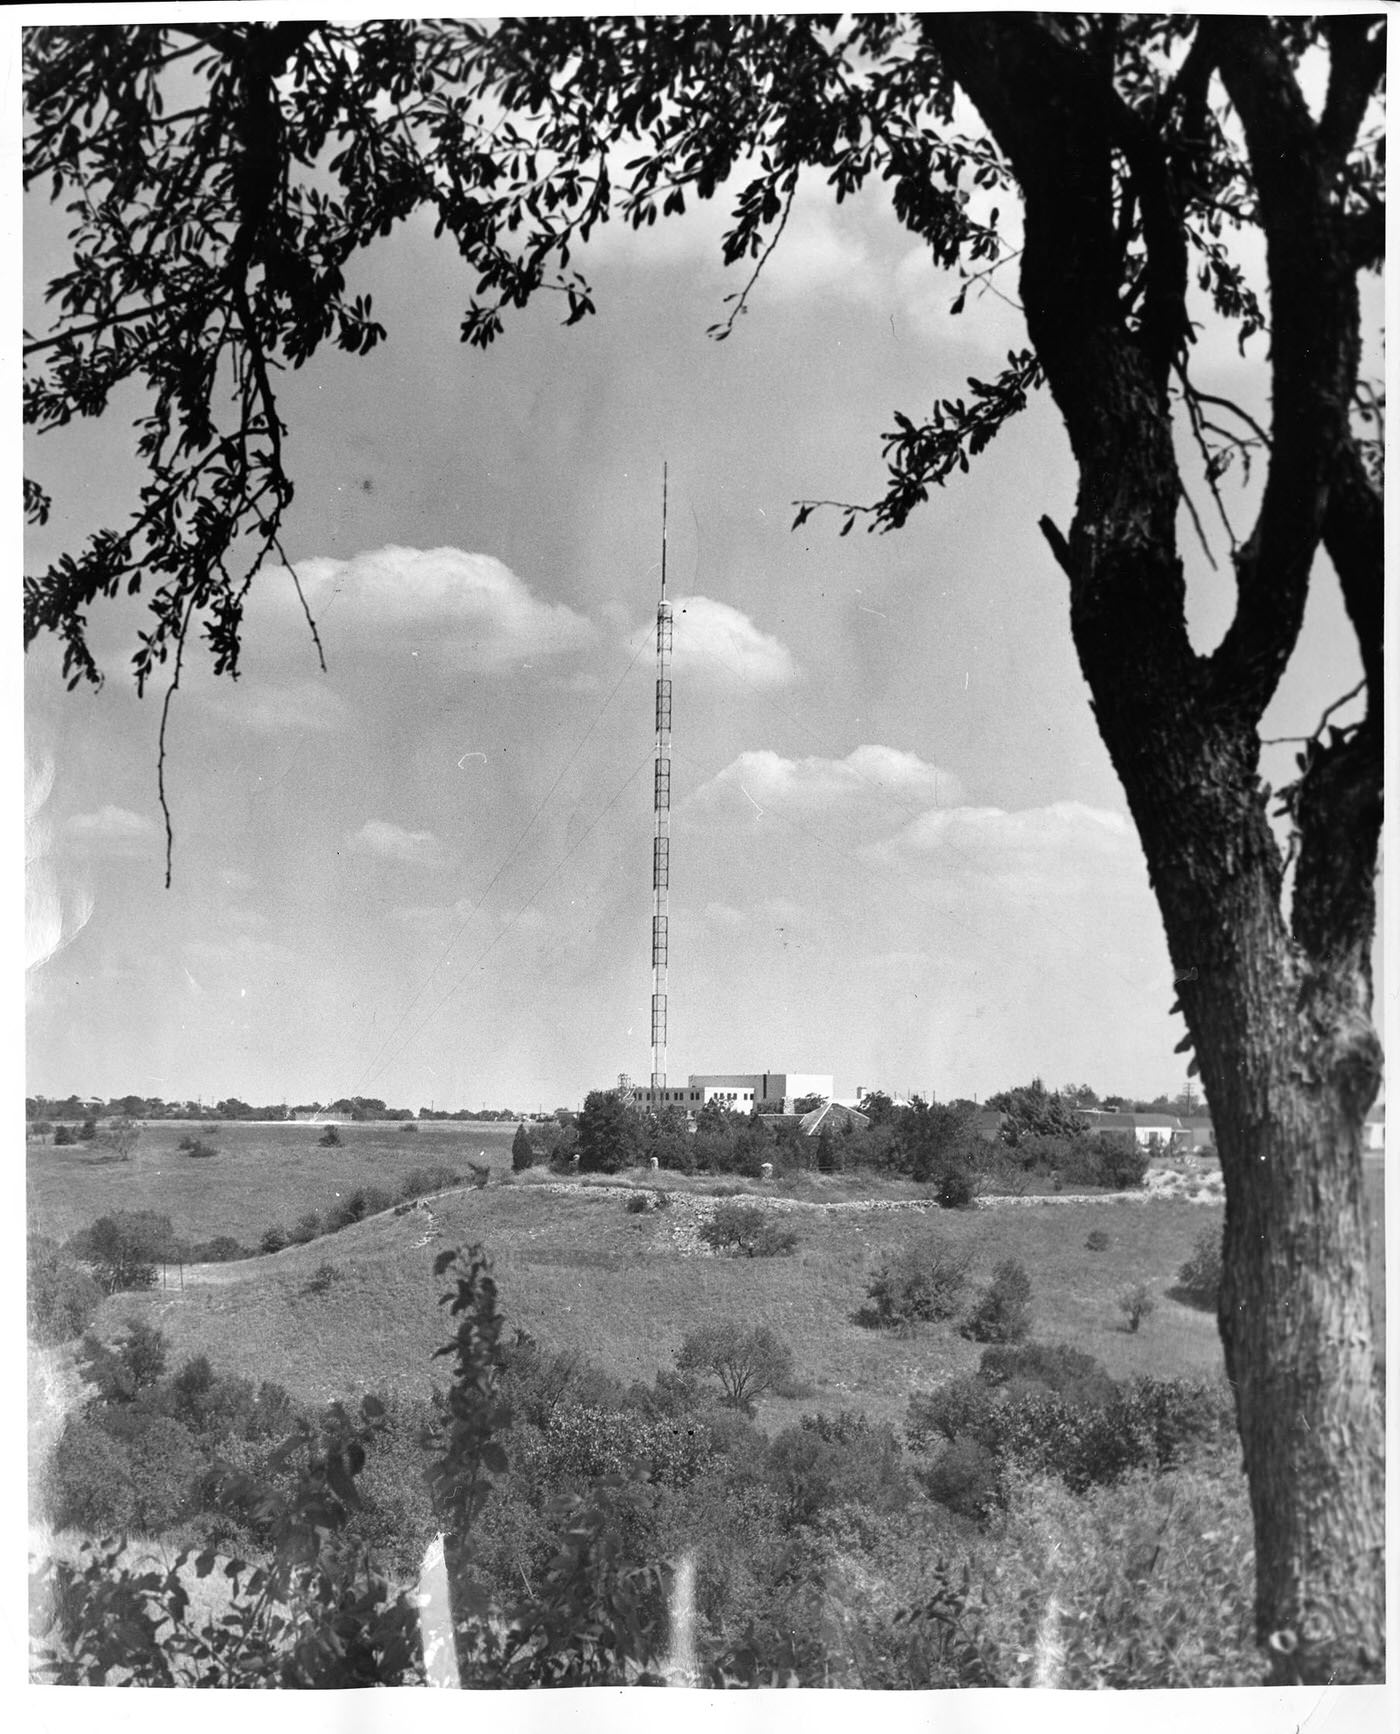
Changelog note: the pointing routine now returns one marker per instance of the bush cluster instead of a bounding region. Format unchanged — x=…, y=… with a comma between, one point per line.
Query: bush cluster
x=815, y=1561
x=62, y=1296
x=749, y=1229
x=919, y=1283
x=1057, y=1414
x=141, y=1453
x=1002, y=1311
x=358, y=1203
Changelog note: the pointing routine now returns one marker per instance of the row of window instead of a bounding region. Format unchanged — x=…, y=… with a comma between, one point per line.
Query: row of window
x=694, y=1095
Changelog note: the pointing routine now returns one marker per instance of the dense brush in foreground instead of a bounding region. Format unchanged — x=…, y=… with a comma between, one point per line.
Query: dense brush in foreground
x=811, y=1559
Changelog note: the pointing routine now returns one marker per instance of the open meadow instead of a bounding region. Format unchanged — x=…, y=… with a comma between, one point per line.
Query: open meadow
x=582, y=1274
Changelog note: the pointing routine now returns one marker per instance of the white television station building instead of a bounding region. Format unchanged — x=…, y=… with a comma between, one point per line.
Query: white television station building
x=740, y=1092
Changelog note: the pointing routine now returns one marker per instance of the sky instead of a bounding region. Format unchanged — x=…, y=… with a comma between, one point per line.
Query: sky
x=900, y=853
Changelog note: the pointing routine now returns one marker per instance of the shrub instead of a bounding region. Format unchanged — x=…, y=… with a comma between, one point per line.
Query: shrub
x=522, y=1152
x=87, y=1132
x=1149, y=1424
x=920, y=1283
x=164, y=1465
x=1002, y=1312
x=320, y=1280
x=835, y=1460
x=1121, y=1163
x=63, y=1135
x=1098, y=1240
x=959, y=1408
x=87, y=1481
x=747, y=1228
x=1158, y=1571
x=124, y=1248
x=1198, y=1280
x=660, y=1200
x=357, y=1204
x=1136, y=1303
x=966, y=1478
x=330, y=1139
x=133, y=1363
x=196, y=1147
x=748, y=1364
x=274, y=1238
x=637, y=1204
x=306, y=1227
x=420, y=1182
x=1054, y=1367
x=828, y=1156
x=954, y=1186
x=62, y=1298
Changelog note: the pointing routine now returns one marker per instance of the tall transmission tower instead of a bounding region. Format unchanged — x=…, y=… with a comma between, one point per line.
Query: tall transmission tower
x=661, y=839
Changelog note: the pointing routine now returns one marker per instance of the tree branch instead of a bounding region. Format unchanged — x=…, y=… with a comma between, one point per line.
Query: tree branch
x=1357, y=46
x=1314, y=353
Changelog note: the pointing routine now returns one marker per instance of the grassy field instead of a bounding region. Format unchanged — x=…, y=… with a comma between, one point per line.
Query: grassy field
x=261, y=1175
x=582, y=1274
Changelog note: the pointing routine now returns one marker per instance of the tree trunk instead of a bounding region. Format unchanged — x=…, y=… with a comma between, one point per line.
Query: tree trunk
x=1289, y=1077
x=1290, y=1063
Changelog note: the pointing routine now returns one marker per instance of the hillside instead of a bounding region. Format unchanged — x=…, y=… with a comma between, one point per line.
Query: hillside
x=580, y=1273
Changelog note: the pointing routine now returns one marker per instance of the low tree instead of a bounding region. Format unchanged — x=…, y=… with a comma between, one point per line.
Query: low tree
x=749, y=1229
x=522, y=1151
x=749, y=1364
x=1002, y=1311
x=124, y=1249
x=828, y=1160
x=877, y=1107
x=122, y=1137
x=1136, y=1304
x=609, y=1134
x=121, y=1371
x=669, y=1140
x=63, y=1135
x=921, y=1282
x=1198, y=1280
x=932, y=1137
x=808, y=1104
x=1032, y=1111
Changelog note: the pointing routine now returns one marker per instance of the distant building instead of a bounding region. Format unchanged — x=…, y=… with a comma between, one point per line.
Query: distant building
x=741, y=1092
x=1164, y=1129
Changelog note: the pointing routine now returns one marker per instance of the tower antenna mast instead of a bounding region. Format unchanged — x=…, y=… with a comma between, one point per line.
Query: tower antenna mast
x=661, y=802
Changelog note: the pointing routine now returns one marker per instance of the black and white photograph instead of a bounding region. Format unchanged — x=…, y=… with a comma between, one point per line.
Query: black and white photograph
x=703, y=744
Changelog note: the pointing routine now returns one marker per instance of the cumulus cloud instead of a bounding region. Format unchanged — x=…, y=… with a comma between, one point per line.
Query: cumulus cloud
x=392, y=843
x=472, y=606
x=305, y=706
x=873, y=786
x=716, y=643
x=112, y=831
x=1063, y=844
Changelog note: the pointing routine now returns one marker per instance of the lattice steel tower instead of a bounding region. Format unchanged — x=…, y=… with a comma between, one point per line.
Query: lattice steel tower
x=661, y=840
